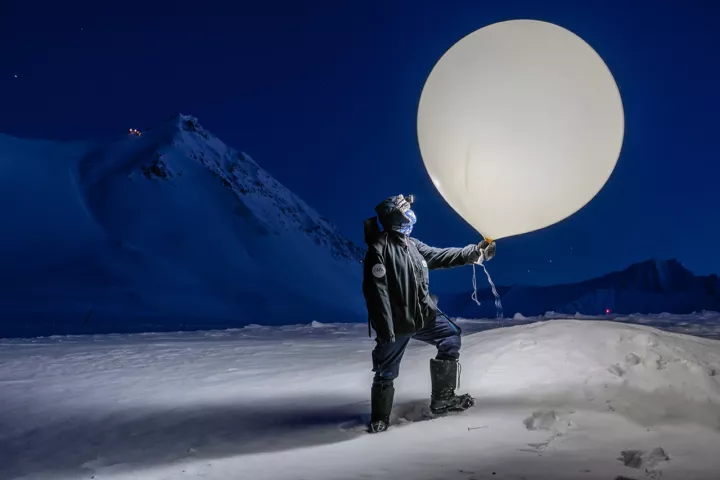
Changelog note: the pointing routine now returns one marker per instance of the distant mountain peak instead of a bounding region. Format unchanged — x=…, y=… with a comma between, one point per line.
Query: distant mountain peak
x=157, y=155
x=650, y=286
x=657, y=274
x=188, y=123
x=264, y=195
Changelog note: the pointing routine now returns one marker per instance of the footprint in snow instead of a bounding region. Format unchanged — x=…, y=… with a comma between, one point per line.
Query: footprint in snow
x=616, y=370
x=631, y=359
x=547, y=420
x=650, y=461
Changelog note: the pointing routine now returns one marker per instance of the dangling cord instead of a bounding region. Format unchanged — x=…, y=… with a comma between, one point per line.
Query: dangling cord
x=498, y=303
x=474, y=283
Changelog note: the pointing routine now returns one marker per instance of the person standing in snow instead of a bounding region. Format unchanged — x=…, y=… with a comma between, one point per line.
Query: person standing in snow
x=400, y=307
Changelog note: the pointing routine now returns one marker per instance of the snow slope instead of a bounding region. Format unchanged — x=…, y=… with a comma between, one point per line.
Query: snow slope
x=560, y=399
x=169, y=230
x=653, y=286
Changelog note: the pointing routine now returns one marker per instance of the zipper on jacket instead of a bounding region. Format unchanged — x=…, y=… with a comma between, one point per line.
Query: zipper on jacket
x=416, y=302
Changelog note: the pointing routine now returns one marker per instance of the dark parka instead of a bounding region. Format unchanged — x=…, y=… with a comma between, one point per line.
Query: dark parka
x=395, y=280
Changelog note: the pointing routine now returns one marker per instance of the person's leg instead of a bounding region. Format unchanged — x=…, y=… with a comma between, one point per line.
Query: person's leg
x=445, y=335
x=386, y=358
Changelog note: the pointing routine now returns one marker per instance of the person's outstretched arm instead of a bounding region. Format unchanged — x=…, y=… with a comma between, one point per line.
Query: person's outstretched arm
x=437, y=258
x=377, y=297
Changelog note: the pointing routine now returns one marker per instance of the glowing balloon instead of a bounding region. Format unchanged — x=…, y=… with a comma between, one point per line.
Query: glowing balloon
x=520, y=124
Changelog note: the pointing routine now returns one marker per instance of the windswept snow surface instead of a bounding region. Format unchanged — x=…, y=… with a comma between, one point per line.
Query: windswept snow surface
x=557, y=399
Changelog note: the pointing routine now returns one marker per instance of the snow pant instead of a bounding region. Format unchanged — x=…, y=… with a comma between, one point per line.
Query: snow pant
x=386, y=356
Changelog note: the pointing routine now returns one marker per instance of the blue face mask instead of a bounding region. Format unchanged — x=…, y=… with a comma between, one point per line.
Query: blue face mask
x=407, y=222
x=391, y=218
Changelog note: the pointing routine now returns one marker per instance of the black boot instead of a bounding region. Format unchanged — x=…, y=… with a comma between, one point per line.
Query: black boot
x=443, y=376
x=381, y=400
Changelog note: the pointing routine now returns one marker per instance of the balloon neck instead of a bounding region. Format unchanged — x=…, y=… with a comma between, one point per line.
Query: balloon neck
x=489, y=240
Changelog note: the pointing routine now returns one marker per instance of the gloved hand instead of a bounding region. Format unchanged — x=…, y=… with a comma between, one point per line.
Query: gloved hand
x=486, y=249
x=403, y=203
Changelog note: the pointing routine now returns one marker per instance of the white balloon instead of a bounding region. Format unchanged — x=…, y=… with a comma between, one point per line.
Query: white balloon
x=520, y=124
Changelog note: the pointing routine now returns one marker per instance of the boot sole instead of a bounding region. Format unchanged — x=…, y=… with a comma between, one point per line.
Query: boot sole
x=450, y=410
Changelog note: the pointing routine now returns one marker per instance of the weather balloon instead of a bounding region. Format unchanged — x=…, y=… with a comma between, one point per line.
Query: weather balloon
x=520, y=124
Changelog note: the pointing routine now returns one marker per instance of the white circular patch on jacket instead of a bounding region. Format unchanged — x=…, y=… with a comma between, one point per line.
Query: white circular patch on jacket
x=424, y=263
x=378, y=270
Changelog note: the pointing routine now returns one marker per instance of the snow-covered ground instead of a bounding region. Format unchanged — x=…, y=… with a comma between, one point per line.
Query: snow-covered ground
x=557, y=399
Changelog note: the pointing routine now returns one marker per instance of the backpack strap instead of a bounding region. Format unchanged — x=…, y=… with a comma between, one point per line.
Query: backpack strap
x=371, y=230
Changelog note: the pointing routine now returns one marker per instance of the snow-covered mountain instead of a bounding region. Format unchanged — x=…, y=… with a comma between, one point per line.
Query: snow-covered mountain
x=170, y=229
x=653, y=286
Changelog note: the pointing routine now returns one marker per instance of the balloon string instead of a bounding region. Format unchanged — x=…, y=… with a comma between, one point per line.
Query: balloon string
x=474, y=283
x=498, y=303
x=474, y=296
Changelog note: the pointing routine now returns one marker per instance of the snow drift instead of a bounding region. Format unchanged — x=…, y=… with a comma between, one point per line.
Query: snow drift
x=650, y=287
x=168, y=230
x=561, y=399
x=642, y=373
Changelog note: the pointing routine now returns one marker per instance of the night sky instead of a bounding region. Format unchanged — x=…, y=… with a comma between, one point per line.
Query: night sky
x=324, y=95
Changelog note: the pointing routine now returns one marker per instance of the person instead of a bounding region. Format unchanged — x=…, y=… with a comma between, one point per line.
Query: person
x=400, y=307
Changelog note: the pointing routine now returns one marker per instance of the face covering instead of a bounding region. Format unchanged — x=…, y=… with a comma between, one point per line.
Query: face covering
x=407, y=222
x=392, y=218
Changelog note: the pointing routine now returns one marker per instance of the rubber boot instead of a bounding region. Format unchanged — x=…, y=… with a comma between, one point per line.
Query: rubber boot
x=444, y=376
x=381, y=401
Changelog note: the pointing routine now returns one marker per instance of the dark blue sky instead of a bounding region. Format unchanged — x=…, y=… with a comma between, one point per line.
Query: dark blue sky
x=324, y=94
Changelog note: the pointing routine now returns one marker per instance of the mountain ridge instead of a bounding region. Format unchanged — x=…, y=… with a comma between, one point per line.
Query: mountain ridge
x=649, y=286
